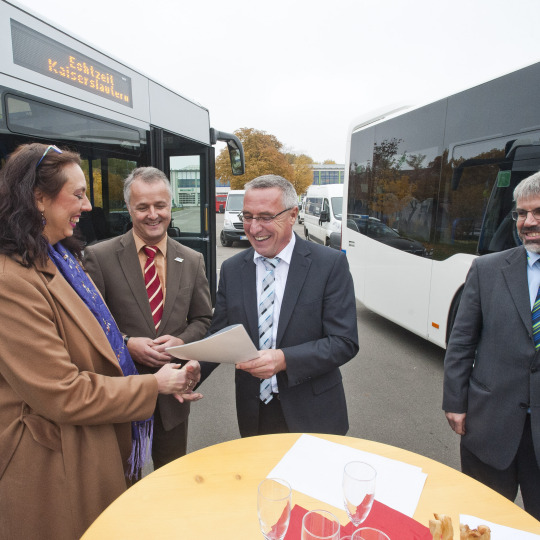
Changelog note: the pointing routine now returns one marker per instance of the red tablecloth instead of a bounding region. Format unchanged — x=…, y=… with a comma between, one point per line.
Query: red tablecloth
x=396, y=525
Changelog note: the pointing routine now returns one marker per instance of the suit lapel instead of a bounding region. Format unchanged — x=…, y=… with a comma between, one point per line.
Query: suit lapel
x=515, y=275
x=298, y=270
x=65, y=296
x=131, y=267
x=248, y=276
x=175, y=269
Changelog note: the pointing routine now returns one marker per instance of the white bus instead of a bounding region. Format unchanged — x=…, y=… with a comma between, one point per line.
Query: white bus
x=56, y=89
x=440, y=177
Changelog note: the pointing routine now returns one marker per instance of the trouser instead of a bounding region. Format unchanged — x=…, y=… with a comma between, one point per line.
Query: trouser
x=523, y=473
x=168, y=445
x=271, y=419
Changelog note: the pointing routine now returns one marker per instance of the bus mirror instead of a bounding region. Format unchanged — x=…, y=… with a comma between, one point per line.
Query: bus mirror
x=324, y=217
x=236, y=150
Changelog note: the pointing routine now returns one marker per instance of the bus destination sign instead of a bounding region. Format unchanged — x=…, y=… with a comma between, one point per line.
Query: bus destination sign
x=44, y=55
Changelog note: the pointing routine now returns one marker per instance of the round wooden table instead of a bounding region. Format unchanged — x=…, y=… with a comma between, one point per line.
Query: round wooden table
x=212, y=493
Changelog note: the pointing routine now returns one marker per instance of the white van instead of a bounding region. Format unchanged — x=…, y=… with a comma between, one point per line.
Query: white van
x=233, y=228
x=322, y=212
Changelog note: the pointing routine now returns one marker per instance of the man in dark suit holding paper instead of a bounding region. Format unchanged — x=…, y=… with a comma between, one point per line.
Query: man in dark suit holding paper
x=296, y=301
x=118, y=268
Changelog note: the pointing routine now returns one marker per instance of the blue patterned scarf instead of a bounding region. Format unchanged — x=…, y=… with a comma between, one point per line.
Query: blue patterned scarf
x=70, y=268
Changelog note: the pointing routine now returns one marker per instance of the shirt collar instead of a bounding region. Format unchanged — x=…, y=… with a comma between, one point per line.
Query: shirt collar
x=285, y=254
x=532, y=258
x=161, y=245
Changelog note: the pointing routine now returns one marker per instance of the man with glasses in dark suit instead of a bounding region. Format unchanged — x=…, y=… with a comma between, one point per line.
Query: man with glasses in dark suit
x=492, y=363
x=296, y=301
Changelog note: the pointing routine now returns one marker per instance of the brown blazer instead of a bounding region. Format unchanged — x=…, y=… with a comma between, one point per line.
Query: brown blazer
x=64, y=408
x=114, y=266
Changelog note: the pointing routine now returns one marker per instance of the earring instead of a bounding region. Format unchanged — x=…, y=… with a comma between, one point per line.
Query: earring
x=43, y=219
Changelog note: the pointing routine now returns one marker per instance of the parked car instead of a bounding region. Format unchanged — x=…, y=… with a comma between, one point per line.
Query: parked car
x=376, y=229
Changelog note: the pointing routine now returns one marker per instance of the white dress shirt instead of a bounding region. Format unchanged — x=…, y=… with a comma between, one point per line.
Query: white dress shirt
x=533, y=275
x=280, y=274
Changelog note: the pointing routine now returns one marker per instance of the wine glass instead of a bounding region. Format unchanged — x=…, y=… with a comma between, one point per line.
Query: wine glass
x=358, y=490
x=320, y=525
x=274, y=507
x=367, y=533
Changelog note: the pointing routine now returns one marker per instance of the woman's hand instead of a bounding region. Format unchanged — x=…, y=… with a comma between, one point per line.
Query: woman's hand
x=178, y=381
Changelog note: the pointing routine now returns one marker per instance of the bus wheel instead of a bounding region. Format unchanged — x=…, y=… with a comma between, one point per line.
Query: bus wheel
x=224, y=241
x=452, y=314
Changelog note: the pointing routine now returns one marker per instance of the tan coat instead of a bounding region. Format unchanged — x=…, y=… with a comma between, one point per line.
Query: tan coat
x=65, y=408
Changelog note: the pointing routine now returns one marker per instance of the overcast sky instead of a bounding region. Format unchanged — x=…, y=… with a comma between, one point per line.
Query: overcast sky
x=303, y=70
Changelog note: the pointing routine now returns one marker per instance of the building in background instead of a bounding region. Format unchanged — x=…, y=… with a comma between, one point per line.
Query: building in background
x=328, y=174
x=186, y=186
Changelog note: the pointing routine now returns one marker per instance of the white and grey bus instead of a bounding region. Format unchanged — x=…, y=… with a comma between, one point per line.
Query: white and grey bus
x=56, y=89
x=440, y=178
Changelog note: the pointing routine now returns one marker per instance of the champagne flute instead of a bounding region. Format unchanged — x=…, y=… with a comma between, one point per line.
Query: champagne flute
x=358, y=490
x=368, y=533
x=274, y=507
x=320, y=525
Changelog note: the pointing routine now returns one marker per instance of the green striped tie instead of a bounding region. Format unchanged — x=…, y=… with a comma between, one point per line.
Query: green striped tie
x=536, y=320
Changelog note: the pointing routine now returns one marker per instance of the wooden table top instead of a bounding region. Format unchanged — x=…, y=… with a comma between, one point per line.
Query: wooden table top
x=212, y=493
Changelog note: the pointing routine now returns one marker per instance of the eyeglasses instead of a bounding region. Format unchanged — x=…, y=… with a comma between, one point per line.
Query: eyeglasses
x=265, y=219
x=50, y=147
x=521, y=215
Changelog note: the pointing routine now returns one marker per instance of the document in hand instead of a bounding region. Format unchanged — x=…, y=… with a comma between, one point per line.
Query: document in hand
x=228, y=346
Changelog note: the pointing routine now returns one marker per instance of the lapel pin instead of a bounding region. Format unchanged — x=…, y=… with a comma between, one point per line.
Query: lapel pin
x=179, y=259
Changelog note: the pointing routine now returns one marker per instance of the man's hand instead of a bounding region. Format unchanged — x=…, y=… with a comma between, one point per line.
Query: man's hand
x=270, y=362
x=456, y=421
x=162, y=342
x=143, y=351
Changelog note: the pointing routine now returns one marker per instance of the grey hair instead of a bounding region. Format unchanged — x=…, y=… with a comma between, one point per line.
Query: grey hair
x=528, y=188
x=149, y=175
x=290, y=197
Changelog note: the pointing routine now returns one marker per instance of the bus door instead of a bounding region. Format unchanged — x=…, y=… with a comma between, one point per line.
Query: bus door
x=190, y=167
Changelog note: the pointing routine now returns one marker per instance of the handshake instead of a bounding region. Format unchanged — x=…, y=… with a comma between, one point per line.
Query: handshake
x=179, y=381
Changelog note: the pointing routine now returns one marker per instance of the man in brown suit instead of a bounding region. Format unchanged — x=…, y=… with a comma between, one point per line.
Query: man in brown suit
x=118, y=266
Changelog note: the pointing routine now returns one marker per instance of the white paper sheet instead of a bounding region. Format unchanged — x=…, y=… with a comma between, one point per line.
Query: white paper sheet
x=498, y=532
x=314, y=466
x=229, y=346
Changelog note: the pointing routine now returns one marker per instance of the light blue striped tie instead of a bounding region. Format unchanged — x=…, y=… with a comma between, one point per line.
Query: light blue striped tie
x=266, y=314
x=536, y=320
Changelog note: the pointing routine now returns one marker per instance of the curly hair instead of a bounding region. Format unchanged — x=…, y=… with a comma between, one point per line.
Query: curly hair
x=21, y=223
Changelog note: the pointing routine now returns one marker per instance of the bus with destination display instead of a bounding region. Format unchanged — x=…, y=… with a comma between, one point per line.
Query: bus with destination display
x=57, y=89
x=440, y=178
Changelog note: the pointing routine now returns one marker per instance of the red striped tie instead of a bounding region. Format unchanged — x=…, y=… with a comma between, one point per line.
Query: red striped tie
x=153, y=285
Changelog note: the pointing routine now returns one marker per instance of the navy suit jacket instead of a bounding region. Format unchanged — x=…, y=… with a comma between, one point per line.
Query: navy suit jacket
x=491, y=367
x=317, y=332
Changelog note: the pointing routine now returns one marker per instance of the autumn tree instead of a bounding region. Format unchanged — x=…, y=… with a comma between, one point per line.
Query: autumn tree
x=264, y=154
x=302, y=176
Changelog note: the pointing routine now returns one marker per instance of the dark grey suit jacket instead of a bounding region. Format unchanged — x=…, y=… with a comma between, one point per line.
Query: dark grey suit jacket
x=317, y=332
x=491, y=367
x=114, y=267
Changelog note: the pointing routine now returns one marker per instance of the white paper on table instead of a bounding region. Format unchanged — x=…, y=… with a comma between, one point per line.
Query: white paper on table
x=314, y=466
x=498, y=532
x=228, y=346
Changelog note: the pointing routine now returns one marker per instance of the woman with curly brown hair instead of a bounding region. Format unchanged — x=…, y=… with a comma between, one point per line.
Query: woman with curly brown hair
x=75, y=417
